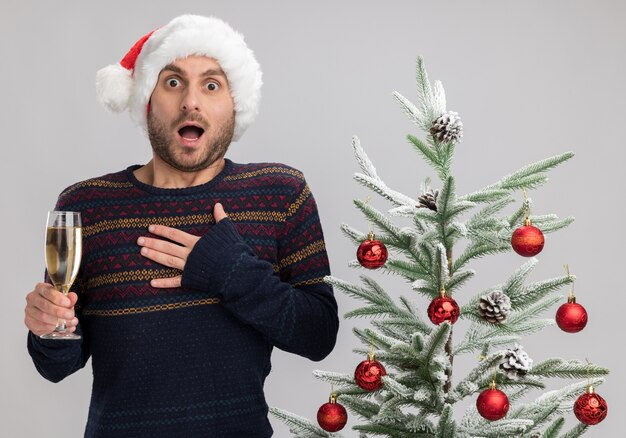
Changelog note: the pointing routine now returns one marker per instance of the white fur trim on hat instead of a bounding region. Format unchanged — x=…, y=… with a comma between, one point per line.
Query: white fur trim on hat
x=114, y=85
x=184, y=36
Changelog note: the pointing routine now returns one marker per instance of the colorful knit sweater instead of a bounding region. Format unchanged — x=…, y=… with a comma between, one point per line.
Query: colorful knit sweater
x=191, y=361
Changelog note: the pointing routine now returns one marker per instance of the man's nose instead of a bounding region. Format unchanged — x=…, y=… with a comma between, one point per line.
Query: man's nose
x=190, y=101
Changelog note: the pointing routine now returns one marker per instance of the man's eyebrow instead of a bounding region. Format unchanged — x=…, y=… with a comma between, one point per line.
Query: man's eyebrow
x=209, y=72
x=214, y=72
x=172, y=67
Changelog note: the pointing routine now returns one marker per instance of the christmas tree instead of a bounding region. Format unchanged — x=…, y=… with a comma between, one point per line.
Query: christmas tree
x=405, y=387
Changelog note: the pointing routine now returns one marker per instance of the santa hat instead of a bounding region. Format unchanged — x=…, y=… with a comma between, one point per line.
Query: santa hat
x=130, y=83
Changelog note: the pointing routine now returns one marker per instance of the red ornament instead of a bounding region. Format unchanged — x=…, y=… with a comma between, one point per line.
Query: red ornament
x=492, y=404
x=368, y=374
x=571, y=317
x=372, y=253
x=527, y=240
x=332, y=416
x=443, y=309
x=590, y=408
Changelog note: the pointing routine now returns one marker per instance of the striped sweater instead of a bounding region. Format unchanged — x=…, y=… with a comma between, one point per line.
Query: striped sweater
x=191, y=361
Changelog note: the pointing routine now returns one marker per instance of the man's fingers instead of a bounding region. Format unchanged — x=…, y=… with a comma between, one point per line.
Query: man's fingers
x=40, y=317
x=56, y=297
x=43, y=305
x=174, y=235
x=166, y=282
x=38, y=328
x=73, y=298
x=218, y=212
x=164, y=247
x=164, y=259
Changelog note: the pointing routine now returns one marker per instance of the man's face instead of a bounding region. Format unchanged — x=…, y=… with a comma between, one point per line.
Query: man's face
x=191, y=118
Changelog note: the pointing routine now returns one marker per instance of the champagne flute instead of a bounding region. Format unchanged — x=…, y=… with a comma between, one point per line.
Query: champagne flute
x=64, y=248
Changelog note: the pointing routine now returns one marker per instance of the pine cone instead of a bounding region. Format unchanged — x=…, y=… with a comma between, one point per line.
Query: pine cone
x=516, y=363
x=494, y=307
x=448, y=128
x=429, y=199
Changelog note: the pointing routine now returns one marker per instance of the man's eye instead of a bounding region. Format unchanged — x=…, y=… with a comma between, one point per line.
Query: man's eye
x=212, y=86
x=172, y=82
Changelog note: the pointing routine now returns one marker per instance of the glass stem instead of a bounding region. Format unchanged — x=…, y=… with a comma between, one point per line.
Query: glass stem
x=61, y=323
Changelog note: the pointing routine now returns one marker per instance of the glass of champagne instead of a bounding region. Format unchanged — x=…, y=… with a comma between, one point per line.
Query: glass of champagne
x=64, y=248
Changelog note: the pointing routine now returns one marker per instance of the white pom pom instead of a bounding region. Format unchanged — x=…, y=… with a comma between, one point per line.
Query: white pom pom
x=113, y=85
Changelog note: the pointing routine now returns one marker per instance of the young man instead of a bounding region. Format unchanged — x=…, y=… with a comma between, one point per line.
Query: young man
x=194, y=267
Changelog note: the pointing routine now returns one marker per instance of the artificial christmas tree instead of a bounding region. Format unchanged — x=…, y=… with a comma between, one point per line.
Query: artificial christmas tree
x=418, y=393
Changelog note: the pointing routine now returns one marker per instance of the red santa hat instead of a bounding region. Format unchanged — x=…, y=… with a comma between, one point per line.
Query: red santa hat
x=129, y=84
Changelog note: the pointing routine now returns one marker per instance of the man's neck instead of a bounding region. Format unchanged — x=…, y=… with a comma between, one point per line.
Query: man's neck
x=157, y=173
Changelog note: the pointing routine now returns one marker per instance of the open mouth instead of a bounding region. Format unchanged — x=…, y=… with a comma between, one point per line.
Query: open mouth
x=191, y=132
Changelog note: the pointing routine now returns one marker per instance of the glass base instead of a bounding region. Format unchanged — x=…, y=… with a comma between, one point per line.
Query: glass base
x=61, y=336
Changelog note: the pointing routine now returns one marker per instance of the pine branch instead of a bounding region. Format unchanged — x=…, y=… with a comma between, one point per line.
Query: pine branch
x=370, y=311
x=434, y=346
x=381, y=188
x=552, y=226
x=527, y=182
x=476, y=250
x=403, y=211
x=577, y=431
x=391, y=430
x=439, y=98
x=351, y=233
x=550, y=402
x=527, y=314
x=300, y=426
x=369, y=337
x=446, y=428
x=520, y=214
x=429, y=155
x=363, y=160
x=410, y=271
x=396, y=388
x=446, y=199
x=457, y=280
x=382, y=222
x=571, y=369
x=489, y=211
x=341, y=380
x=361, y=293
x=424, y=91
x=512, y=181
x=505, y=427
x=440, y=270
x=484, y=370
x=360, y=406
x=485, y=195
x=553, y=430
x=411, y=110
x=409, y=325
x=516, y=280
x=476, y=338
x=523, y=297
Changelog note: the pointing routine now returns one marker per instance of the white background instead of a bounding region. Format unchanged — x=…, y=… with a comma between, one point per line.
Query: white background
x=530, y=80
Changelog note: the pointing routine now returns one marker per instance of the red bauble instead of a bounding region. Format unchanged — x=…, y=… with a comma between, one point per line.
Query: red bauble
x=443, y=309
x=332, y=416
x=368, y=374
x=527, y=240
x=492, y=404
x=590, y=408
x=571, y=317
x=372, y=253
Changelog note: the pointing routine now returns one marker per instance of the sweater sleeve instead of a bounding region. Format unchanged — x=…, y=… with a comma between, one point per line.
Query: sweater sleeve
x=57, y=359
x=293, y=307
